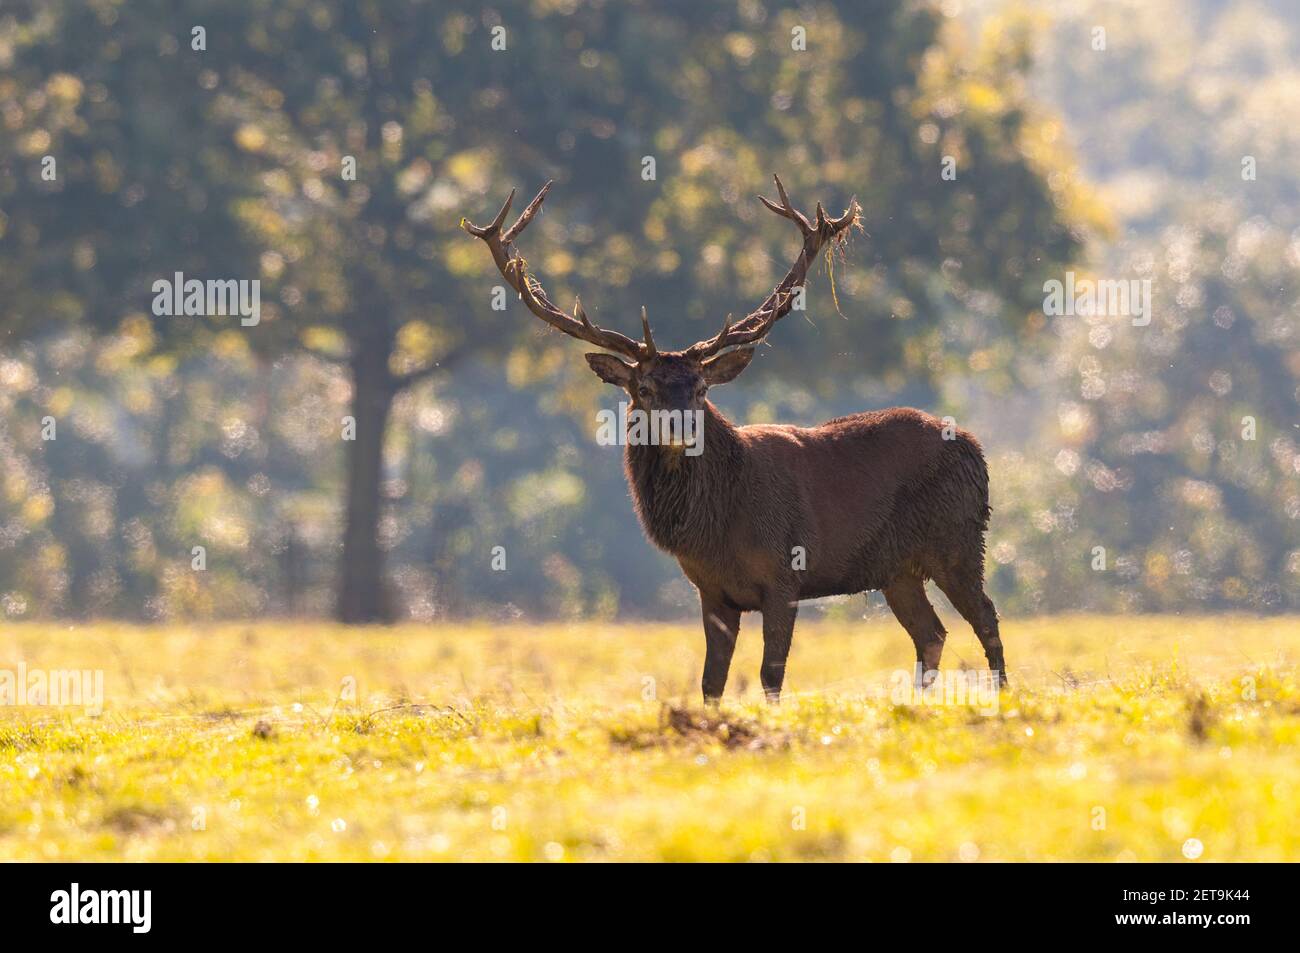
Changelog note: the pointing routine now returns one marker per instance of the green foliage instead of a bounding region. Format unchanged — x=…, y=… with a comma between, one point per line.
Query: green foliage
x=1174, y=446
x=227, y=162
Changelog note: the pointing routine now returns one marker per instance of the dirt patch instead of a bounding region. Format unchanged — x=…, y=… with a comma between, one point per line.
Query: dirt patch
x=677, y=724
x=139, y=820
x=1200, y=717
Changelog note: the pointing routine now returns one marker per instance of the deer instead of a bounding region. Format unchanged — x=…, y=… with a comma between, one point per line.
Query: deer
x=770, y=515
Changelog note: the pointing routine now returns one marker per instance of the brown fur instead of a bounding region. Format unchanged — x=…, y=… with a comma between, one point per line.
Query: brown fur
x=877, y=501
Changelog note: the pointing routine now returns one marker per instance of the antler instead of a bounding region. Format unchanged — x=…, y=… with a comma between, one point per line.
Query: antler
x=755, y=325
x=514, y=269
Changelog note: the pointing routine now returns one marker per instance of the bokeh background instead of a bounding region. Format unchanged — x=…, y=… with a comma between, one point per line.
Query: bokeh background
x=1117, y=163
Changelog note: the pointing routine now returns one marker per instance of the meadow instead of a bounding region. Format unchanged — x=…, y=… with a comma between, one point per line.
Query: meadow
x=1122, y=738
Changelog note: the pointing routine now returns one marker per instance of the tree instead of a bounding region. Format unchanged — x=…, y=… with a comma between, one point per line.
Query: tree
x=1168, y=472
x=658, y=130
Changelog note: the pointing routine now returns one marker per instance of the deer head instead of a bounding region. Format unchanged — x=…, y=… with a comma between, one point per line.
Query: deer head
x=654, y=379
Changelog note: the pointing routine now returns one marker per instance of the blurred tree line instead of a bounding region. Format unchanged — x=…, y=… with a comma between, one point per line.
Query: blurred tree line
x=475, y=427
x=1174, y=446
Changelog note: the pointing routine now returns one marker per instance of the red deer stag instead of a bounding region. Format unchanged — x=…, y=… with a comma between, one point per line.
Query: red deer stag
x=768, y=515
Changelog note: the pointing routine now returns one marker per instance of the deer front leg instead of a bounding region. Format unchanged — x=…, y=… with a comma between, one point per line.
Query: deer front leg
x=778, y=630
x=721, y=626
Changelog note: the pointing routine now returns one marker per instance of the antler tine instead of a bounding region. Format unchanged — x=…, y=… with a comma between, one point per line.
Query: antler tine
x=765, y=320
x=526, y=215
x=496, y=222
x=649, y=338
x=755, y=325
x=713, y=344
x=849, y=217
x=785, y=209
x=514, y=269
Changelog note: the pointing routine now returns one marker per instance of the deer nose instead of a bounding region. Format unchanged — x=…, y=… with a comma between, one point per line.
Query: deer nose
x=681, y=399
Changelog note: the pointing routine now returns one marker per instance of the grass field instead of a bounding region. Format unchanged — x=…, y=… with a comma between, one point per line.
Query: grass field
x=1123, y=738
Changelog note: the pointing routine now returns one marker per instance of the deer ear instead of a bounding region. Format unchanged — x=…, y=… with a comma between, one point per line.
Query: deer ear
x=726, y=367
x=610, y=369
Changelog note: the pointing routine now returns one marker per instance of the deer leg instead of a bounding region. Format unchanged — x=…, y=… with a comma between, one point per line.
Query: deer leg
x=907, y=600
x=778, y=632
x=966, y=593
x=721, y=626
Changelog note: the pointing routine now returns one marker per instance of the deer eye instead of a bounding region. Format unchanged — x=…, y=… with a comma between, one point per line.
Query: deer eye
x=643, y=391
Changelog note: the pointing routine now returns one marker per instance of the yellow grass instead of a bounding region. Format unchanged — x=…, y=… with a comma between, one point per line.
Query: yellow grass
x=1123, y=738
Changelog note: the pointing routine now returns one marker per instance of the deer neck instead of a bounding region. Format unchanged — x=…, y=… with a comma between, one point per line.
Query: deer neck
x=686, y=503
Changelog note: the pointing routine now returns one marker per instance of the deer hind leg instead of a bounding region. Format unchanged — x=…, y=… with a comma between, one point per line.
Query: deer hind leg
x=778, y=631
x=965, y=590
x=906, y=598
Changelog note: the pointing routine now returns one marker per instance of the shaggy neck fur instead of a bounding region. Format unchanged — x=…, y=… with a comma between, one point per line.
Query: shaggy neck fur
x=686, y=503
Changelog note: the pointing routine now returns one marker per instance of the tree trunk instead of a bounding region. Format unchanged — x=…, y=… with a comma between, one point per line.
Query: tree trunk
x=362, y=595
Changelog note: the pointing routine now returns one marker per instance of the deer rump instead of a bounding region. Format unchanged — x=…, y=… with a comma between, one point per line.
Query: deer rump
x=842, y=508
